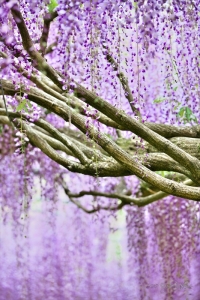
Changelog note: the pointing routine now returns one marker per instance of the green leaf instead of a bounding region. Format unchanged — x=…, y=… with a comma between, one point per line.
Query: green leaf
x=187, y=115
x=178, y=104
x=29, y=104
x=52, y=5
x=159, y=100
x=193, y=118
x=22, y=105
x=181, y=112
x=163, y=173
x=175, y=88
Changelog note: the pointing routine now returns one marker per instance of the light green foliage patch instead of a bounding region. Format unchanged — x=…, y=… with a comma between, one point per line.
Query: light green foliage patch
x=52, y=5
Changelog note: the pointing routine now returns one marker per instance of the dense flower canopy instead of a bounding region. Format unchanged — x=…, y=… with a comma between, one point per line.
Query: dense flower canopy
x=100, y=107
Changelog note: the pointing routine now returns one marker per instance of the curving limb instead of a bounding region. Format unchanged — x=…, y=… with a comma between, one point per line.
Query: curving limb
x=125, y=200
x=38, y=61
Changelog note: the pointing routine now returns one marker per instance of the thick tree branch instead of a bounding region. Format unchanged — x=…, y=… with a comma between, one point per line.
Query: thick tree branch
x=104, y=169
x=4, y=102
x=167, y=131
x=153, y=138
x=153, y=161
x=116, y=152
x=55, y=144
x=71, y=146
x=42, y=144
x=141, y=130
x=10, y=89
x=83, y=109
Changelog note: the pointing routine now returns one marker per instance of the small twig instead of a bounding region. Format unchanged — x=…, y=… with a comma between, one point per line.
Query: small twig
x=98, y=208
x=89, y=211
x=50, y=48
x=48, y=18
x=124, y=83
